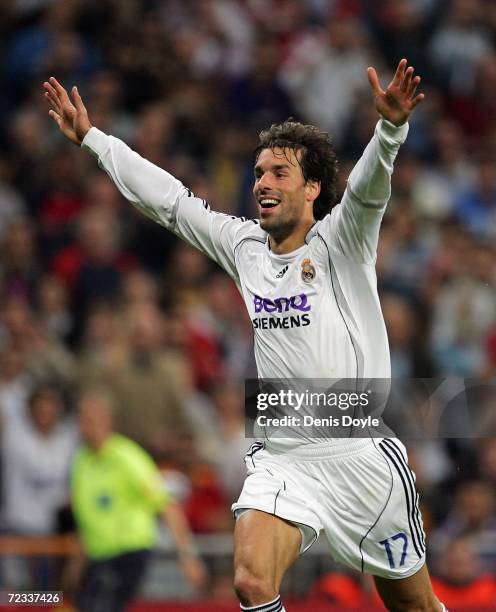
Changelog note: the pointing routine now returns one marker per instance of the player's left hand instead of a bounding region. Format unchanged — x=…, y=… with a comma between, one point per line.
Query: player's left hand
x=398, y=101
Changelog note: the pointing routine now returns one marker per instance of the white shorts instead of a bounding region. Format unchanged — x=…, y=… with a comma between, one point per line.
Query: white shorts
x=360, y=493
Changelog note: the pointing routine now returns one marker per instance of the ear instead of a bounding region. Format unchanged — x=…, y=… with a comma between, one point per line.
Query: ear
x=312, y=189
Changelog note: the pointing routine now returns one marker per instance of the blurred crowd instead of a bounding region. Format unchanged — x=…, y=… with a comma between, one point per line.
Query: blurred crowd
x=92, y=292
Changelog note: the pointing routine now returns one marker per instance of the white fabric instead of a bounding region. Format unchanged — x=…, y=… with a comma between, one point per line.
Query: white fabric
x=14, y=396
x=36, y=475
x=329, y=328
x=272, y=606
x=356, y=498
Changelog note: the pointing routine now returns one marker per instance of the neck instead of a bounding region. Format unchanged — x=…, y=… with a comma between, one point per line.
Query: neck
x=98, y=442
x=280, y=245
x=45, y=430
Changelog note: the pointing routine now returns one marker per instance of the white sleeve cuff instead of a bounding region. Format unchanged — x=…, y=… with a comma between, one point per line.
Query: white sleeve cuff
x=391, y=133
x=95, y=141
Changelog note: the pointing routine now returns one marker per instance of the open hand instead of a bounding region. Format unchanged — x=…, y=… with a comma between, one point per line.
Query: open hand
x=70, y=116
x=398, y=101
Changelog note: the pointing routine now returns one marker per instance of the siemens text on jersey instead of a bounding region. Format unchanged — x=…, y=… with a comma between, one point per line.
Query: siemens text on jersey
x=297, y=302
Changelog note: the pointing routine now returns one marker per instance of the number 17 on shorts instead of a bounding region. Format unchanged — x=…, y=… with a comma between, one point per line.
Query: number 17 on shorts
x=387, y=547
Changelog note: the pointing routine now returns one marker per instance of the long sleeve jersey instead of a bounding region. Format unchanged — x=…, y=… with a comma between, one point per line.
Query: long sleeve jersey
x=315, y=311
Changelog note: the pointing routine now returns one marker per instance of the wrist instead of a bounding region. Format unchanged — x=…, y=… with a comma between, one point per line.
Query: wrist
x=393, y=124
x=82, y=132
x=95, y=141
x=390, y=133
x=186, y=554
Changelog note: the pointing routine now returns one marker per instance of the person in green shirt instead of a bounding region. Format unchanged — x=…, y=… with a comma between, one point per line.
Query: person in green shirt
x=117, y=492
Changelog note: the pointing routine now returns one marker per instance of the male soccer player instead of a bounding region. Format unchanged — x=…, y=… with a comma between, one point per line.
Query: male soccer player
x=307, y=269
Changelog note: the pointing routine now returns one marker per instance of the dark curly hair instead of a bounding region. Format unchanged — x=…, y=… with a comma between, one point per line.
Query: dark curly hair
x=318, y=159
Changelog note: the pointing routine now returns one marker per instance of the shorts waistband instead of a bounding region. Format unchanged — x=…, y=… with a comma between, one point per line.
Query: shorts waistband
x=332, y=449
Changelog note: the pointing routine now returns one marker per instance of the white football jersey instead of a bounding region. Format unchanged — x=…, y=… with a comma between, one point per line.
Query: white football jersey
x=315, y=311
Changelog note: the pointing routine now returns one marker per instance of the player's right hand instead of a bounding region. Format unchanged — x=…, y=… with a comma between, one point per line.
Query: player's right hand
x=195, y=572
x=70, y=116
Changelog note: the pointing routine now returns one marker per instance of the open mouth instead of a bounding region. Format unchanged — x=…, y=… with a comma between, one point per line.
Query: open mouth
x=266, y=203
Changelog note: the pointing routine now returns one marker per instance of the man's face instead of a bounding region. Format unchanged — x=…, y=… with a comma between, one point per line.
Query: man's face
x=45, y=412
x=95, y=420
x=283, y=197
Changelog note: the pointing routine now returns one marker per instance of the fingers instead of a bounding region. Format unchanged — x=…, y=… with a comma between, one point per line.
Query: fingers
x=53, y=102
x=400, y=72
x=50, y=90
x=407, y=79
x=374, y=80
x=78, y=102
x=51, y=96
x=55, y=116
x=409, y=83
x=416, y=100
x=413, y=86
x=61, y=92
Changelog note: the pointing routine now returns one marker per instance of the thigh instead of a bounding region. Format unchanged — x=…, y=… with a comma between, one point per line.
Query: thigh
x=280, y=487
x=265, y=546
x=414, y=592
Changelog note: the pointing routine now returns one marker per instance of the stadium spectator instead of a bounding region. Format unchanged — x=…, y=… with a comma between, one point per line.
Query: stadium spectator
x=36, y=455
x=459, y=43
x=147, y=385
x=19, y=267
x=12, y=205
x=409, y=356
x=437, y=186
x=36, y=452
x=52, y=303
x=103, y=345
x=94, y=267
x=15, y=384
x=328, y=66
x=258, y=94
x=45, y=357
x=229, y=405
x=476, y=205
x=463, y=313
x=473, y=513
x=461, y=580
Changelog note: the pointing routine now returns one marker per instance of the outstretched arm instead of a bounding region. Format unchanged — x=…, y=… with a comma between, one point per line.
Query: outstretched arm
x=355, y=222
x=370, y=180
x=152, y=190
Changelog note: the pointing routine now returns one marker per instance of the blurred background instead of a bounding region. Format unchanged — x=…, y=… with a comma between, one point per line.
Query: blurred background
x=93, y=293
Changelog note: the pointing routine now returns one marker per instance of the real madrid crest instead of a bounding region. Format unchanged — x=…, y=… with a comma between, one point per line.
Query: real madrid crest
x=307, y=271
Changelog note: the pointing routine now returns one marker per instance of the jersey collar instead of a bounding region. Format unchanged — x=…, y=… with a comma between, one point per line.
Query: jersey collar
x=311, y=232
